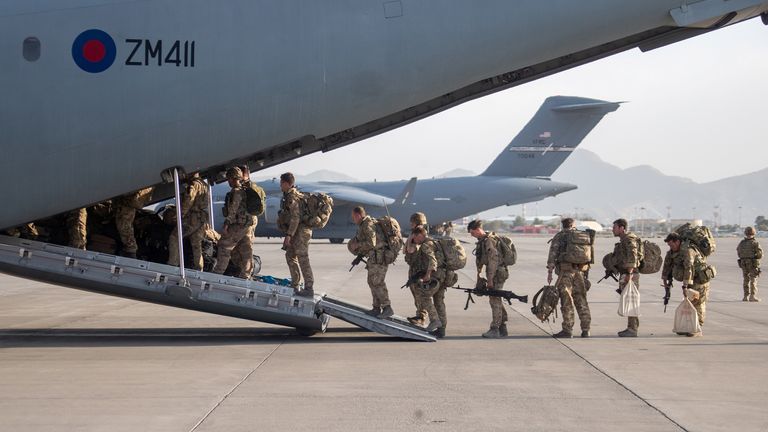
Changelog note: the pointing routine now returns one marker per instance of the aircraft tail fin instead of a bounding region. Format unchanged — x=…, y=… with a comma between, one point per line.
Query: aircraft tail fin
x=406, y=195
x=558, y=127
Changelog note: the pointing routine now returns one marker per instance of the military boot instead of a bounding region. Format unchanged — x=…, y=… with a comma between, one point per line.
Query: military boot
x=564, y=334
x=374, y=311
x=416, y=320
x=492, y=333
x=129, y=254
x=439, y=333
x=753, y=299
x=697, y=334
x=746, y=297
x=628, y=333
x=386, y=312
x=503, y=330
x=434, y=325
x=585, y=333
x=306, y=292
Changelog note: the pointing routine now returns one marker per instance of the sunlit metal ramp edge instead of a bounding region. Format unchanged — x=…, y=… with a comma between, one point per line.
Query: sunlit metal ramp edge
x=355, y=314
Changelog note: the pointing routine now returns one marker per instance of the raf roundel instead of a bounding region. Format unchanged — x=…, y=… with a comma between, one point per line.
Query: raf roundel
x=94, y=51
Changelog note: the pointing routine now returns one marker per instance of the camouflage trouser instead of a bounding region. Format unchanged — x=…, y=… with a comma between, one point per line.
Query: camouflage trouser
x=376, y=281
x=573, y=296
x=426, y=299
x=633, y=323
x=236, y=237
x=297, y=257
x=76, y=228
x=421, y=313
x=498, y=313
x=701, y=303
x=194, y=231
x=242, y=257
x=750, y=273
x=124, y=216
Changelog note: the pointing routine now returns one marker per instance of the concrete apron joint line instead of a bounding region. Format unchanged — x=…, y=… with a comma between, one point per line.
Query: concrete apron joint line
x=605, y=374
x=224, y=398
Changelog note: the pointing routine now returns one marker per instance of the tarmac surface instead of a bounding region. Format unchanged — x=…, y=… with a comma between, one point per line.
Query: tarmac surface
x=76, y=361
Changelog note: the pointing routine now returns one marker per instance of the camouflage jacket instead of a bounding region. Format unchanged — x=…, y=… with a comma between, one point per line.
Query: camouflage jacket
x=557, y=248
x=749, y=249
x=424, y=259
x=487, y=255
x=137, y=200
x=290, y=211
x=194, y=199
x=365, y=238
x=681, y=265
x=626, y=253
x=235, y=210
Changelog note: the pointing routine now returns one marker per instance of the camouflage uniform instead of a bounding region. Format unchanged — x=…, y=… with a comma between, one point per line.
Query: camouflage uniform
x=626, y=255
x=297, y=252
x=194, y=218
x=423, y=260
x=26, y=231
x=365, y=243
x=421, y=220
x=570, y=285
x=487, y=254
x=750, y=253
x=77, y=228
x=239, y=224
x=682, y=265
x=125, y=213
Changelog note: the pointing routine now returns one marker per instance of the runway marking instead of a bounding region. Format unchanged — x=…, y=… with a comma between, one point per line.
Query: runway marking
x=605, y=374
x=208, y=414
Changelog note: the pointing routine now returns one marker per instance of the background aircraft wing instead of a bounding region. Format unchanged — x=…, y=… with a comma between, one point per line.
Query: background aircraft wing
x=351, y=194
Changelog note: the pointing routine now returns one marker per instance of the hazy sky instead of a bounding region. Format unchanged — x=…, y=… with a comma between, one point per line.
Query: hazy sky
x=696, y=109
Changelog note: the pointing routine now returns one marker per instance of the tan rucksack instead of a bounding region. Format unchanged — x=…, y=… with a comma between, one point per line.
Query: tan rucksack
x=455, y=257
x=545, y=302
x=651, y=257
x=316, y=209
x=388, y=233
x=507, y=251
x=577, y=247
x=699, y=236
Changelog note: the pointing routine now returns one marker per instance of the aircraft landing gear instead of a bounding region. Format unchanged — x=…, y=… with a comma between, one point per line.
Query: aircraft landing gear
x=336, y=240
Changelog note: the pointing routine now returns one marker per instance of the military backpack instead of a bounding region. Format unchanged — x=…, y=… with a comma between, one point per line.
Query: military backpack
x=316, y=209
x=455, y=257
x=577, y=247
x=388, y=229
x=699, y=236
x=507, y=251
x=651, y=259
x=749, y=249
x=255, y=199
x=545, y=302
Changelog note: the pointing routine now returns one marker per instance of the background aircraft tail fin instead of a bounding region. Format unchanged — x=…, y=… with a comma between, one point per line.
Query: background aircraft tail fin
x=558, y=127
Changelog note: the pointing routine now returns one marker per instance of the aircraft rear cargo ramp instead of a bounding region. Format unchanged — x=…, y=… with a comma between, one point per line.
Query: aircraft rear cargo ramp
x=200, y=291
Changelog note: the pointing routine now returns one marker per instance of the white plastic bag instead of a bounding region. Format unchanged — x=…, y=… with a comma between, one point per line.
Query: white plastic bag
x=686, y=318
x=629, y=304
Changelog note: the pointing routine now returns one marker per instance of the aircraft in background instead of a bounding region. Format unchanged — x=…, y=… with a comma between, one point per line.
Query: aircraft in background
x=519, y=174
x=112, y=95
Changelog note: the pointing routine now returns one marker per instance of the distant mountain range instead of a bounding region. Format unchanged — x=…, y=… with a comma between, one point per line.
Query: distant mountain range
x=607, y=192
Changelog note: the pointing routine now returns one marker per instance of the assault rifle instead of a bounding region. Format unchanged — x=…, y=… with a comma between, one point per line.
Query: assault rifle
x=612, y=275
x=481, y=290
x=359, y=259
x=416, y=279
x=667, y=294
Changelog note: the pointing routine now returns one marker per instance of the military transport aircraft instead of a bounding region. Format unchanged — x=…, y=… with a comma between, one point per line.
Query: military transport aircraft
x=519, y=174
x=117, y=95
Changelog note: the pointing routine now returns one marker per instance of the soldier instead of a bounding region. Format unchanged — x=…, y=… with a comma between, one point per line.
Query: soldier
x=194, y=218
x=487, y=254
x=297, y=236
x=77, y=228
x=448, y=229
x=750, y=253
x=417, y=219
x=125, y=213
x=570, y=283
x=237, y=225
x=425, y=261
x=685, y=263
x=366, y=243
x=626, y=257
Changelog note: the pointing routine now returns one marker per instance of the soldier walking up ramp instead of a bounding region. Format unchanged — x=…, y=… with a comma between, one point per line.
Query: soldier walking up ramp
x=199, y=291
